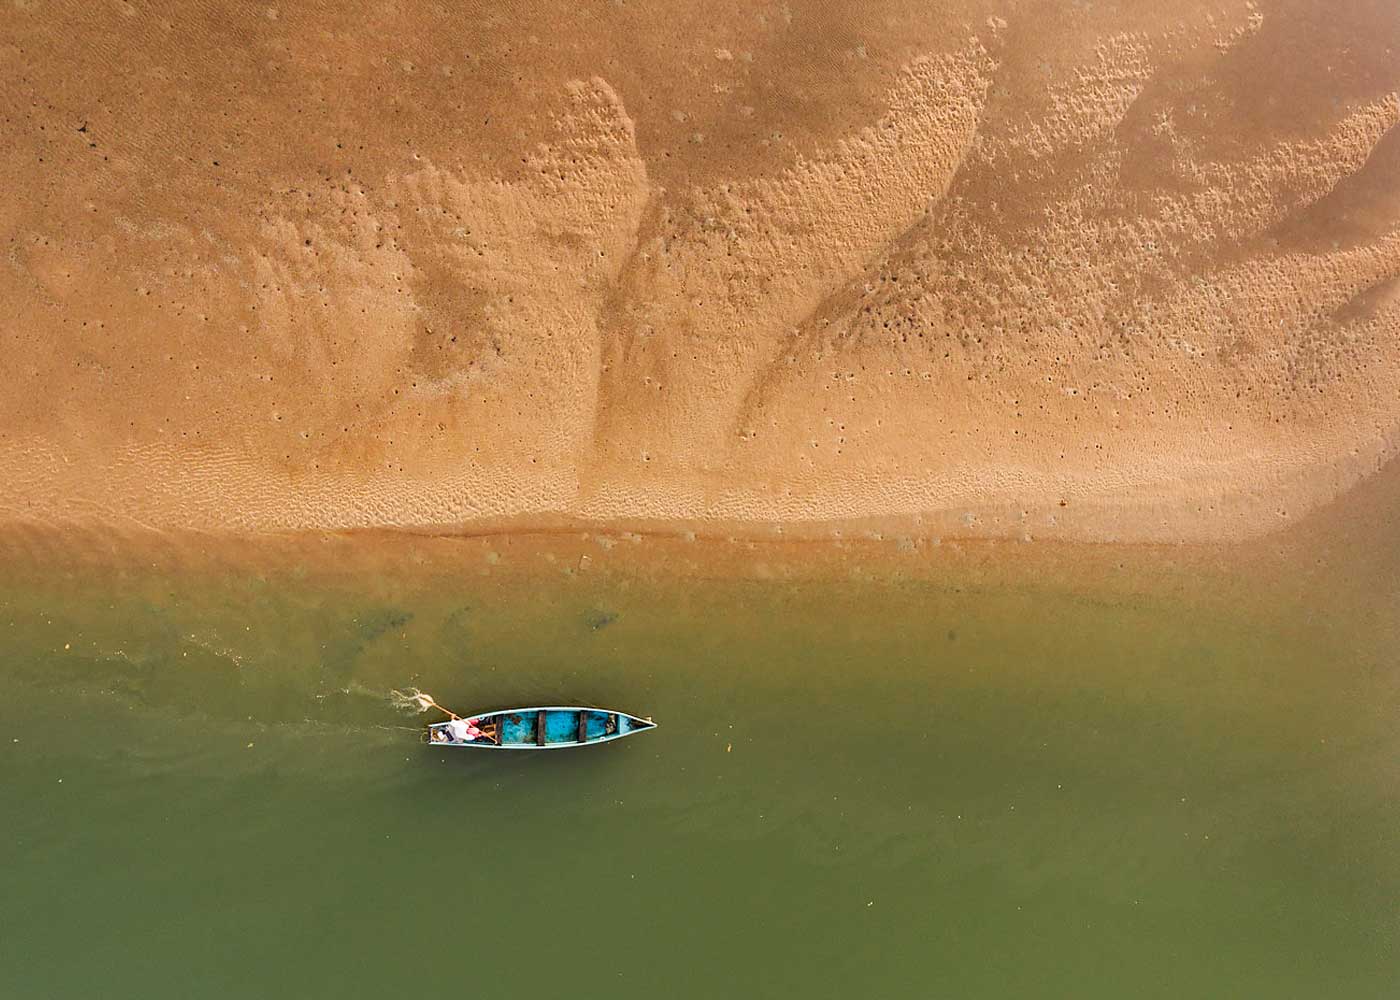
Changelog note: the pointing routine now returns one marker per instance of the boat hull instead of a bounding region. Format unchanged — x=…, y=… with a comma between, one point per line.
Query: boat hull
x=551, y=727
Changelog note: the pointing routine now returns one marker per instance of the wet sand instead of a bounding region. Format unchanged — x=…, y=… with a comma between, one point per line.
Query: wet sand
x=1124, y=274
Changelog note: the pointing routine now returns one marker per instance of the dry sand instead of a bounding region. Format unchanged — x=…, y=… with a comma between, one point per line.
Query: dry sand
x=1102, y=271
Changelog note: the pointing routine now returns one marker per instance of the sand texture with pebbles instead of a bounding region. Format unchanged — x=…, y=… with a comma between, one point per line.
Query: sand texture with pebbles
x=1121, y=271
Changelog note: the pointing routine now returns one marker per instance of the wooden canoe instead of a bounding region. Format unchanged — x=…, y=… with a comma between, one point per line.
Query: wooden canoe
x=550, y=728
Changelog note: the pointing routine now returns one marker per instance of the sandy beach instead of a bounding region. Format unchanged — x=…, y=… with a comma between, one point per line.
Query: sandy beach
x=1122, y=273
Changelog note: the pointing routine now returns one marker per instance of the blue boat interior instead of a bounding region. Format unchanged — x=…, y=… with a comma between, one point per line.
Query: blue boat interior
x=517, y=728
x=558, y=726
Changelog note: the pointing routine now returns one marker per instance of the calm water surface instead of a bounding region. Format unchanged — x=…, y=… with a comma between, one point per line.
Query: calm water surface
x=880, y=789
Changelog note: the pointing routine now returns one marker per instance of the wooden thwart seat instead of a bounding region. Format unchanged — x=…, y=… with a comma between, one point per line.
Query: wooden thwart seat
x=539, y=728
x=583, y=727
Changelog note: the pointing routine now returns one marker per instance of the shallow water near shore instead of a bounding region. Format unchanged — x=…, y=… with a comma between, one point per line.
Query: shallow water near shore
x=861, y=784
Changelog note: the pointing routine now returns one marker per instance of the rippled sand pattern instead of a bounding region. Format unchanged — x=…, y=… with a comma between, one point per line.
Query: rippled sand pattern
x=974, y=268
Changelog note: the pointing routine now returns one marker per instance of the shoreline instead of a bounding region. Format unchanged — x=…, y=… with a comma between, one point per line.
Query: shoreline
x=1340, y=556
x=1348, y=529
x=1156, y=503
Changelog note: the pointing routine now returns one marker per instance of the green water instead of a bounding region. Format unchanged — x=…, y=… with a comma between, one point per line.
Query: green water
x=874, y=789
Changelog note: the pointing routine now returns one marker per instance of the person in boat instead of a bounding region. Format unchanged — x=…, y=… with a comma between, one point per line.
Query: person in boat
x=463, y=731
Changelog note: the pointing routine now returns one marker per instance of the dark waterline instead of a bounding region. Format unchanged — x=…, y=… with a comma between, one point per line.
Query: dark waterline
x=878, y=788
